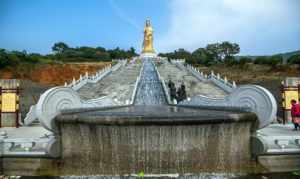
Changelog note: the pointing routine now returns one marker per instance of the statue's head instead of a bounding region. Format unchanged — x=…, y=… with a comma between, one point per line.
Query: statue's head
x=148, y=22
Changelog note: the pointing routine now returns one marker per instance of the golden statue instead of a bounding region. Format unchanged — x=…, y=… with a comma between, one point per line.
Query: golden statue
x=148, y=38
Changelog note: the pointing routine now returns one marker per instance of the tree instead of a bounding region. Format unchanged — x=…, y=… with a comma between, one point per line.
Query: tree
x=260, y=60
x=59, y=47
x=213, y=50
x=294, y=59
x=272, y=60
x=227, y=50
x=131, y=52
x=4, y=61
x=244, y=60
x=201, y=56
x=182, y=54
x=275, y=60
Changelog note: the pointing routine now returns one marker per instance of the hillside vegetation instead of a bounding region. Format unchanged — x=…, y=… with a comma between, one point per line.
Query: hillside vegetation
x=226, y=53
x=62, y=53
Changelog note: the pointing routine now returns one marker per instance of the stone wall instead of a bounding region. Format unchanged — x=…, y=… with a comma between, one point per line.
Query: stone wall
x=89, y=148
x=130, y=146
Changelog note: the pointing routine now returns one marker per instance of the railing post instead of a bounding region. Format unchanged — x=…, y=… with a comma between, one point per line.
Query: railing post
x=17, y=105
x=74, y=81
x=234, y=84
x=0, y=105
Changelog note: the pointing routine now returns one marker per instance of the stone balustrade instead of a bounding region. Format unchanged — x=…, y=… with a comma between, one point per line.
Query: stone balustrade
x=84, y=79
x=166, y=90
x=223, y=83
x=65, y=97
x=136, y=85
x=46, y=146
x=250, y=98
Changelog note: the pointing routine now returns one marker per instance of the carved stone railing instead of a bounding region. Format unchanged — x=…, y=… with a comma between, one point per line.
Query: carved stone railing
x=137, y=82
x=84, y=79
x=250, y=98
x=222, y=83
x=162, y=81
x=47, y=146
x=58, y=98
x=276, y=144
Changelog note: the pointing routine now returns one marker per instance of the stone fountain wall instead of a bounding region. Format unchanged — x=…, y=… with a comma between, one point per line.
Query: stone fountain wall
x=91, y=148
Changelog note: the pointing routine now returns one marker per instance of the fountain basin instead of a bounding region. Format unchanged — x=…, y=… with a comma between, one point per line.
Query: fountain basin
x=155, y=140
x=152, y=139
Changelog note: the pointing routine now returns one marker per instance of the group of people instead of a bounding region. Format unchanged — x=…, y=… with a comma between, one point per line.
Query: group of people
x=178, y=94
x=295, y=113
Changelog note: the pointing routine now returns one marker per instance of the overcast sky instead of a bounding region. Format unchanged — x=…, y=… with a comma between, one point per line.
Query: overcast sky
x=259, y=26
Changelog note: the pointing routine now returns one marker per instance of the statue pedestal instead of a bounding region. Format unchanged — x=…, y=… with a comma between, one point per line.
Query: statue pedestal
x=148, y=55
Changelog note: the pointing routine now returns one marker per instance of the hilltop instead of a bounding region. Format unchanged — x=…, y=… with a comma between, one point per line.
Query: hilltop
x=284, y=56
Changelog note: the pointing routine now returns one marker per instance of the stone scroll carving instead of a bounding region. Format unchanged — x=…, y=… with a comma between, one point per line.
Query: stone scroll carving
x=252, y=98
x=58, y=98
x=54, y=100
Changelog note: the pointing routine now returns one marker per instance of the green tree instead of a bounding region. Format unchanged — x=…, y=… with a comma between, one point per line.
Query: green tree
x=244, y=60
x=227, y=50
x=213, y=50
x=275, y=60
x=271, y=61
x=59, y=47
x=131, y=52
x=295, y=59
x=4, y=61
x=182, y=54
x=201, y=56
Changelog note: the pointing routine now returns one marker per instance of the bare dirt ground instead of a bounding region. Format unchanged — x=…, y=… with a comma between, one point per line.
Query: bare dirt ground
x=51, y=74
x=36, y=79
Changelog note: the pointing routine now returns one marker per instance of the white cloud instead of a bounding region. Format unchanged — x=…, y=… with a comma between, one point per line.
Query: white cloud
x=251, y=23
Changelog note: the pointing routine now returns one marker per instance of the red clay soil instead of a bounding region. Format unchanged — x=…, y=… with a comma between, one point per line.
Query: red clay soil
x=52, y=74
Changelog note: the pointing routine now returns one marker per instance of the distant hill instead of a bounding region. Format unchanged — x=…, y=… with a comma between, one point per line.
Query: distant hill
x=285, y=56
x=288, y=54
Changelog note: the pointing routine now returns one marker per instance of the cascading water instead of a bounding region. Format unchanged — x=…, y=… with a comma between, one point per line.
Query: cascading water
x=153, y=137
x=150, y=90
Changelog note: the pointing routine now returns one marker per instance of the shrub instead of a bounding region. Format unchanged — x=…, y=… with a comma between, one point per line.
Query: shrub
x=295, y=59
x=244, y=60
x=272, y=61
x=230, y=61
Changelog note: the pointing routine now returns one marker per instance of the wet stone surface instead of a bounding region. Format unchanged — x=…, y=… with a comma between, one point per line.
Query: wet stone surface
x=150, y=90
x=153, y=113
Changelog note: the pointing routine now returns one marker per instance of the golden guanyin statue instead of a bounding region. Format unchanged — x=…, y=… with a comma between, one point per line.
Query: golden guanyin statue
x=148, y=38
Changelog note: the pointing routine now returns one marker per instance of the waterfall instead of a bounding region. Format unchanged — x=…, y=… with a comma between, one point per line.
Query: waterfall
x=150, y=90
x=124, y=150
